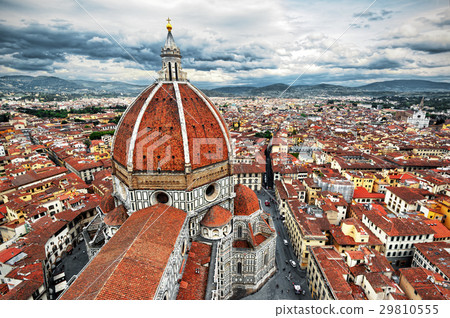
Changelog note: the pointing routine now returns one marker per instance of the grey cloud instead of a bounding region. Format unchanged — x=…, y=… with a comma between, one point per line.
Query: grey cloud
x=383, y=63
x=374, y=63
x=40, y=46
x=35, y=42
x=212, y=57
x=374, y=16
x=432, y=48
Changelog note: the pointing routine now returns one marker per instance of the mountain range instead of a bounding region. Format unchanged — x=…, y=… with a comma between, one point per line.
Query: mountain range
x=51, y=84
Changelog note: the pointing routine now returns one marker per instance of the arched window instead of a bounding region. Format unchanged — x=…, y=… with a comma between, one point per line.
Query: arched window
x=266, y=258
x=239, y=231
x=239, y=268
x=170, y=71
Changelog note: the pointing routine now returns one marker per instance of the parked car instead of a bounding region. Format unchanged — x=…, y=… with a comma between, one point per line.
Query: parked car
x=293, y=264
x=285, y=242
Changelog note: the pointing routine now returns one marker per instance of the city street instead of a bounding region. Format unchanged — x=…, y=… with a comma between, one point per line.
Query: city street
x=72, y=264
x=286, y=275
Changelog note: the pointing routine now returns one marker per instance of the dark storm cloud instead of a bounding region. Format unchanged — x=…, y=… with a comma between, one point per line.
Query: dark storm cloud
x=382, y=64
x=373, y=63
x=39, y=45
x=210, y=57
x=424, y=45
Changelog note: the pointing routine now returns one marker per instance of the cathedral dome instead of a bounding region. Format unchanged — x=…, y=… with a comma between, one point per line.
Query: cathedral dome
x=116, y=217
x=246, y=202
x=216, y=217
x=107, y=203
x=171, y=126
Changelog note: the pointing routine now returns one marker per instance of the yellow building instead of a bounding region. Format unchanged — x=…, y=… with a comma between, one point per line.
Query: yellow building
x=304, y=230
x=312, y=189
x=352, y=234
x=444, y=206
x=328, y=275
x=365, y=180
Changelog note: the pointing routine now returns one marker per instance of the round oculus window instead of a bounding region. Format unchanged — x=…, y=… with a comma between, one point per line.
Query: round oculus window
x=212, y=191
x=161, y=197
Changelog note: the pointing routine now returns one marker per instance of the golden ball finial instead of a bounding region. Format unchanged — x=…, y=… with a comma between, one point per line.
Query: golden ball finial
x=168, y=26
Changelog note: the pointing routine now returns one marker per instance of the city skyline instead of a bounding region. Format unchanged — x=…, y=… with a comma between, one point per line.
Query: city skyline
x=346, y=43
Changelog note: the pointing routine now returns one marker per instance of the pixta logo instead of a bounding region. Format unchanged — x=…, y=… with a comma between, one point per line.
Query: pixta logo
x=153, y=151
x=207, y=148
x=145, y=148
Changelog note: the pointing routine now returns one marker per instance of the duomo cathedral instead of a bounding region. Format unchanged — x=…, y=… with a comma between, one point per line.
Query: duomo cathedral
x=175, y=225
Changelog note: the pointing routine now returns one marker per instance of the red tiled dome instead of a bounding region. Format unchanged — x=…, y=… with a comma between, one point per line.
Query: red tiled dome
x=216, y=217
x=246, y=202
x=116, y=217
x=107, y=203
x=171, y=125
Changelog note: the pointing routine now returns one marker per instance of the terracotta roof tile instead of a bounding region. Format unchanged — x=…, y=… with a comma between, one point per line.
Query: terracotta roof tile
x=107, y=203
x=246, y=202
x=216, y=216
x=131, y=264
x=116, y=217
x=194, y=281
x=161, y=121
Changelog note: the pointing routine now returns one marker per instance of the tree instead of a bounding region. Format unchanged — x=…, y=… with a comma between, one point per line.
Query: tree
x=5, y=117
x=87, y=142
x=98, y=134
x=115, y=120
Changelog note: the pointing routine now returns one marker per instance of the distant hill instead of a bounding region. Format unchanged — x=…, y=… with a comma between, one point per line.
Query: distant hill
x=51, y=84
x=377, y=88
x=407, y=86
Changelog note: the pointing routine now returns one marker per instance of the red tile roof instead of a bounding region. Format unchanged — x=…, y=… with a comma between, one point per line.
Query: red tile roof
x=9, y=253
x=437, y=253
x=409, y=195
x=362, y=193
x=216, y=216
x=107, y=204
x=246, y=202
x=195, y=277
x=161, y=121
x=420, y=280
x=334, y=269
x=116, y=217
x=248, y=168
x=395, y=226
x=439, y=229
x=131, y=264
x=32, y=277
x=23, y=291
x=341, y=239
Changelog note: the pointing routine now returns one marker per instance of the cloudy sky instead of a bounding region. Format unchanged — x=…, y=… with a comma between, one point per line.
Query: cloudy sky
x=229, y=42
